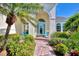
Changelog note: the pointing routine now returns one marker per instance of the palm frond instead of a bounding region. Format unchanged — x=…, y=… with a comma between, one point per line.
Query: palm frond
x=32, y=20
x=25, y=20
x=21, y=10
x=28, y=17
x=29, y=8
x=3, y=10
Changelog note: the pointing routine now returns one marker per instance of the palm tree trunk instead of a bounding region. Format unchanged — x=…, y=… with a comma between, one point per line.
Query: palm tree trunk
x=6, y=36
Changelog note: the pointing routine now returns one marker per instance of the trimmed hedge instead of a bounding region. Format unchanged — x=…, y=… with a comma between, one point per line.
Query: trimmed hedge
x=60, y=34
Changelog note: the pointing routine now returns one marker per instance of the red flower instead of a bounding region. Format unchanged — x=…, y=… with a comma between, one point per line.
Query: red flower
x=74, y=53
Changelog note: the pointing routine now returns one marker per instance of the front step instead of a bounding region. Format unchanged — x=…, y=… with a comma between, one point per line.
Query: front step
x=42, y=38
x=40, y=35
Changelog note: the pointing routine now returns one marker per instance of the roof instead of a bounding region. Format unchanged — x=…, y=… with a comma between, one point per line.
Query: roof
x=61, y=19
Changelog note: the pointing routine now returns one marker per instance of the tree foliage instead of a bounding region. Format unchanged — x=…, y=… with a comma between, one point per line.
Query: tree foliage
x=72, y=24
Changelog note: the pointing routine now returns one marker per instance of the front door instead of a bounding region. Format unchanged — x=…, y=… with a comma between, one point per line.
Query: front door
x=41, y=28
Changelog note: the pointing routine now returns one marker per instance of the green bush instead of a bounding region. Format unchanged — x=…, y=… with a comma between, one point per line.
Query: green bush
x=25, y=48
x=75, y=36
x=19, y=45
x=60, y=34
x=1, y=36
x=72, y=44
x=61, y=49
x=56, y=41
x=71, y=41
x=29, y=37
x=1, y=40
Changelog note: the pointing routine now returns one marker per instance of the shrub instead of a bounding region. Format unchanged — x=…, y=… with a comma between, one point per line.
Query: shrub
x=75, y=36
x=1, y=40
x=60, y=34
x=55, y=41
x=0, y=36
x=25, y=48
x=73, y=42
x=29, y=37
x=61, y=49
x=19, y=45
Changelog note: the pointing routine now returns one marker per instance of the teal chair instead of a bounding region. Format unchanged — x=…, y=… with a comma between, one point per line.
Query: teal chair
x=46, y=34
x=24, y=33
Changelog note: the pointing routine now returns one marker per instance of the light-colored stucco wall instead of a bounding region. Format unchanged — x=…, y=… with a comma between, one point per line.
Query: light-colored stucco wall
x=20, y=27
x=32, y=30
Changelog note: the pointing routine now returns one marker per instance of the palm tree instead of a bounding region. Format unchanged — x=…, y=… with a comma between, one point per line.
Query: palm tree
x=72, y=24
x=14, y=10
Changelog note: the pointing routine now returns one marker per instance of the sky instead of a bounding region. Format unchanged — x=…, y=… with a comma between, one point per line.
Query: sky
x=67, y=9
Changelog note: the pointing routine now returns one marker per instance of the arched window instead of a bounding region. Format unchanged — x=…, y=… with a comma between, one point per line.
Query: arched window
x=58, y=27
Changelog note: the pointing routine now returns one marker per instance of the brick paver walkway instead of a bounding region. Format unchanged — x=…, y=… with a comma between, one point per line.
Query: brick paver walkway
x=42, y=48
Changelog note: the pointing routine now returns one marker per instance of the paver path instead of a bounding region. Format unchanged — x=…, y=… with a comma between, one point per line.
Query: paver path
x=42, y=48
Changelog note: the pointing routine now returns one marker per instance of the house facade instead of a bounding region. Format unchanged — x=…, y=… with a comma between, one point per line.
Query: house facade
x=47, y=23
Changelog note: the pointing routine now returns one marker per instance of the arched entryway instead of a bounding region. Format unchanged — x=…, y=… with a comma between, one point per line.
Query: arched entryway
x=43, y=23
x=41, y=27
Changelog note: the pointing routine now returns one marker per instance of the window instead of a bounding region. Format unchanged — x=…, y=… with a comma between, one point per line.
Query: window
x=26, y=28
x=58, y=27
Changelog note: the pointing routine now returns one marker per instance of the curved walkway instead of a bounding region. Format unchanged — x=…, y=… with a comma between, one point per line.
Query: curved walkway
x=42, y=48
